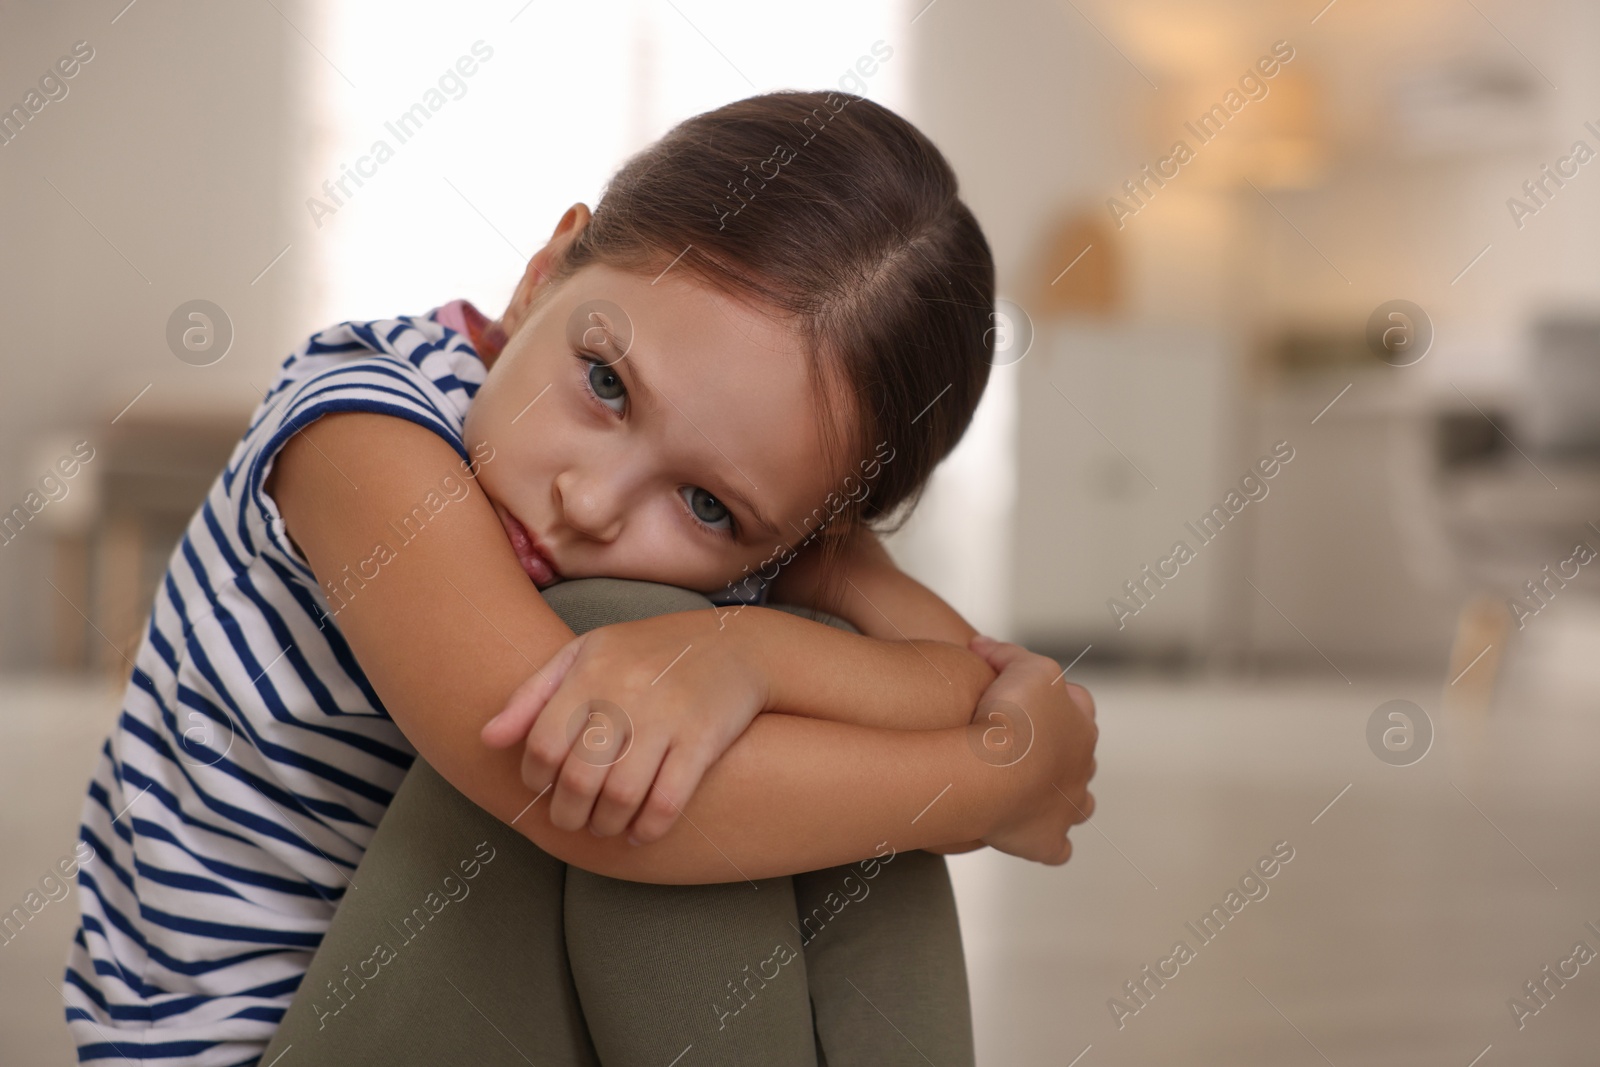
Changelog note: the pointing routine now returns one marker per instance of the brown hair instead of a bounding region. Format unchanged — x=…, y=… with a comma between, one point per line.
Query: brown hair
x=838, y=213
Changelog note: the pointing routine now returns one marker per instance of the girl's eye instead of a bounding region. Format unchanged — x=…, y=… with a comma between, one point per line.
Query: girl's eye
x=605, y=383
x=708, y=510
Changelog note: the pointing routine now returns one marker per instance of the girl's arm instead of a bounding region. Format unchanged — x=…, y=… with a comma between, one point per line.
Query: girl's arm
x=875, y=596
x=450, y=625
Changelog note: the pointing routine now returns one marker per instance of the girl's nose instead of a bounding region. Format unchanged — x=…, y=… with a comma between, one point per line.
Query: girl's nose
x=591, y=505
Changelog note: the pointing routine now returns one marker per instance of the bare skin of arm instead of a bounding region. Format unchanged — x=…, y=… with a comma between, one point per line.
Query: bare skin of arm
x=876, y=597
x=451, y=626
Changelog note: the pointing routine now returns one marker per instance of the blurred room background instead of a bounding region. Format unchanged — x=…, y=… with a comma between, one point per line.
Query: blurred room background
x=1379, y=261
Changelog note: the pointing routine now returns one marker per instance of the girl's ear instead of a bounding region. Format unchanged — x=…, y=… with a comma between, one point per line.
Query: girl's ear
x=540, y=267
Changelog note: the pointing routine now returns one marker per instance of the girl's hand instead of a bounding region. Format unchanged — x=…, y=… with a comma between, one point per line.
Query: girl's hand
x=625, y=719
x=1058, y=721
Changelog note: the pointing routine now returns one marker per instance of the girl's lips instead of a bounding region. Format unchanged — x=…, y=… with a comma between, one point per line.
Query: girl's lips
x=537, y=565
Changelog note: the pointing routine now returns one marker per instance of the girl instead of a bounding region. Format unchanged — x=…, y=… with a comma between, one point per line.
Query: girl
x=673, y=393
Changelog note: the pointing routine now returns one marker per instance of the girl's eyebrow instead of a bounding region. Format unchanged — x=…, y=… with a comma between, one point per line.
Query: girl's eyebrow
x=748, y=505
x=608, y=337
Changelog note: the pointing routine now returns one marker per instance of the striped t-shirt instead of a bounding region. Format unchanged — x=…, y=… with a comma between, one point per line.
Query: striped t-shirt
x=252, y=760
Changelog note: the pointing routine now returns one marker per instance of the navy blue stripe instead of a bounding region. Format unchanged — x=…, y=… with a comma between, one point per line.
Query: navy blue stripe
x=365, y=376
x=335, y=640
x=117, y=969
x=129, y=1050
x=193, y=968
x=98, y=794
x=179, y=880
x=103, y=855
x=74, y=979
x=276, y=988
x=234, y=563
x=317, y=348
x=450, y=383
x=364, y=331
x=230, y=871
x=188, y=968
x=228, y=931
x=158, y=640
x=110, y=911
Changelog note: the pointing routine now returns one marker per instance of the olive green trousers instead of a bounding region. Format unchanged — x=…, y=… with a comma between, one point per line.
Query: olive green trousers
x=468, y=944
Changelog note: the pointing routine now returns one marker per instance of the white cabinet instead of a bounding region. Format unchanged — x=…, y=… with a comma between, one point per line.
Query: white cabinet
x=1121, y=435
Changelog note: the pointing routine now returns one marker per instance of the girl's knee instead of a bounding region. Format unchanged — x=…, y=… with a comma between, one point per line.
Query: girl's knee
x=587, y=603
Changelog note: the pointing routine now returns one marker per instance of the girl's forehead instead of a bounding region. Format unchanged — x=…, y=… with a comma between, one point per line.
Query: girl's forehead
x=645, y=296
x=679, y=330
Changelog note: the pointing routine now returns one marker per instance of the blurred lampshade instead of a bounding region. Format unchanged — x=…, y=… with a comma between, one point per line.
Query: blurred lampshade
x=1277, y=141
x=1076, y=268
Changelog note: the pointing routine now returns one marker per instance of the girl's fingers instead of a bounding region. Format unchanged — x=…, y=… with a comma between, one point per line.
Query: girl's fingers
x=999, y=654
x=628, y=785
x=1086, y=809
x=1084, y=699
x=521, y=711
x=549, y=740
x=680, y=775
x=576, y=788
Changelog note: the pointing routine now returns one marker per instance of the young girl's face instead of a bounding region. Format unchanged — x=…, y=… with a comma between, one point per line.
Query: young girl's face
x=649, y=429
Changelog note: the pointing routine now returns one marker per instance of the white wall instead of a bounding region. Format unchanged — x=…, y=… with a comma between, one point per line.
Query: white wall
x=171, y=153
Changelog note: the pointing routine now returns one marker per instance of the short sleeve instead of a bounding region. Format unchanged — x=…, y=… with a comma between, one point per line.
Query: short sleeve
x=377, y=383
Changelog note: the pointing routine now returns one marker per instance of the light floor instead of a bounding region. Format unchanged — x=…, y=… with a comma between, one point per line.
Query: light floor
x=1413, y=908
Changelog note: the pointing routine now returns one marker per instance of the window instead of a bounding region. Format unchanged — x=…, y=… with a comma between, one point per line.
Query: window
x=429, y=182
